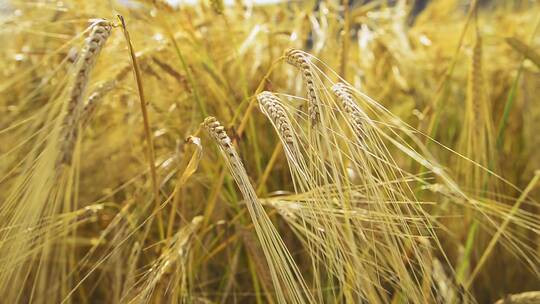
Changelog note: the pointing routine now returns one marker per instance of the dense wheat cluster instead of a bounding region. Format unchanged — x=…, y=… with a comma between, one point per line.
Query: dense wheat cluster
x=158, y=151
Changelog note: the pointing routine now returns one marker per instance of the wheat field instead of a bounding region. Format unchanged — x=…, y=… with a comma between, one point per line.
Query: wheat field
x=342, y=151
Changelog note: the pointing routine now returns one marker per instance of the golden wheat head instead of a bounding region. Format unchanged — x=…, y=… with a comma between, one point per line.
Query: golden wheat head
x=101, y=31
x=302, y=62
x=270, y=105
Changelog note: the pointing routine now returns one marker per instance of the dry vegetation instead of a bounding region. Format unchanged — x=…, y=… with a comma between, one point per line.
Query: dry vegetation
x=301, y=152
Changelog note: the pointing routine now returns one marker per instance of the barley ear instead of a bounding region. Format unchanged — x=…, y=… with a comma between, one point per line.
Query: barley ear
x=357, y=116
x=270, y=106
x=93, y=46
x=93, y=101
x=302, y=62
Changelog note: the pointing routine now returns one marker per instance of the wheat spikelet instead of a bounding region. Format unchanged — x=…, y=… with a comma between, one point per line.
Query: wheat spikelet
x=302, y=62
x=94, y=44
x=93, y=101
x=475, y=79
x=177, y=252
x=217, y=131
x=477, y=133
x=384, y=180
x=289, y=284
x=45, y=194
x=97, y=38
x=358, y=117
x=315, y=220
x=271, y=106
x=476, y=119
